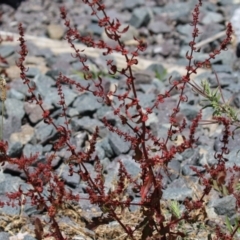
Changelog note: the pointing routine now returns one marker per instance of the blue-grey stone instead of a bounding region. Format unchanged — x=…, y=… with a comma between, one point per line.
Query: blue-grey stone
x=187, y=171
x=7, y=50
x=140, y=17
x=14, y=107
x=86, y=123
x=15, y=149
x=13, y=93
x=224, y=206
x=118, y=144
x=94, y=28
x=131, y=5
x=211, y=17
x=32, y=72
x=30, y=149
x=86, y=103
x=4, y=236
x=178, y=194
x=43, y=131
x=158, y=27
x=28, y=237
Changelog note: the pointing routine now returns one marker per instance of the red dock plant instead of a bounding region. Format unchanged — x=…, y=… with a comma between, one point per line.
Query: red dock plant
x=154, y=223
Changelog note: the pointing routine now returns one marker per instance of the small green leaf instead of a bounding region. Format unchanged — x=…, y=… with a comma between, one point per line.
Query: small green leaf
x=175, y=208
x=228, y=224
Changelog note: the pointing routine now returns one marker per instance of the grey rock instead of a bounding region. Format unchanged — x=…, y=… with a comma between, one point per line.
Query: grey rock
x=190, y=112
x=84, y=203
x=43, y=52
x=94, y=28
x=158, y=84
x=106, y=112
x=69, y=96
x=118, y=144
x=167, y=48
x=105, y=163
x=208, y=157
x=12, y=93
x=232, y=142
x=211, y=6
x=15, y=149
x=11, y=125
x=28, y=237
x=175, y=11
x=224, y=79
x=72, y=112
x=146, y=100
x=131, y=5
x=94, y=18
x=7, y=50
x=174, y=169
x=209, y=30
x=157, y=68
x=144, y=77
x=61, y=64
x=52, y=73
x=99, y=152
x=152, y=119
x=4, y=236
x=178, y=194
x=236, y=99
x=14, y=107
x=187, y=153
x=43, y=131
x=20, y=87
x=86, y=103
x=159, y=27
x=175, y=76
x=32, y=72
x=222, y=68
x=224, y=206
x=34, y=111
x=226, y=58
x=105, y=145
x=72, y=181
x=43, y=84
x=233, y=158
x=187, y=171
x=112, y=169
x=184, y=29
x=146, y=88
x=11, y=184
x=9, y=210
x=86, y=123
x=79, y=139
x=47, y=148
x=30, y=149
x=211, y=17
x=140, y=17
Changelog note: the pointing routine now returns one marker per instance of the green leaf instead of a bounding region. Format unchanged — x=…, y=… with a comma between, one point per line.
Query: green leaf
x=175, y=208
x=228, y=224
x=237, y=224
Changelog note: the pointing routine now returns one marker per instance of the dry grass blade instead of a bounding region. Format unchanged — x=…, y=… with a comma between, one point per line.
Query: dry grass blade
x=3, y=98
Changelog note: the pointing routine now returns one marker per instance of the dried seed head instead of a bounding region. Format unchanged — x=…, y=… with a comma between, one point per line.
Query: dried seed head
x=3, y=88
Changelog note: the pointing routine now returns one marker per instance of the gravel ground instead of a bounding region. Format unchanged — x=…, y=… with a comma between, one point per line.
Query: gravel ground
x=164, y=25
